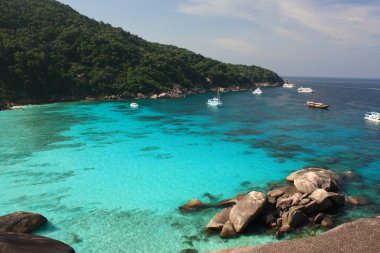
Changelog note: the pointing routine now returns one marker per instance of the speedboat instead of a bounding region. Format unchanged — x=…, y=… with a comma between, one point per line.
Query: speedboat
x=316, y=105
x=134, y=105
x=258, y=91
x=288, y=84
x=372, y=116
x=305, y=90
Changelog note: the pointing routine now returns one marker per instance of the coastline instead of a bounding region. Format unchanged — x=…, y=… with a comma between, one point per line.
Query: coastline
x=176, y=92
x=121, y=108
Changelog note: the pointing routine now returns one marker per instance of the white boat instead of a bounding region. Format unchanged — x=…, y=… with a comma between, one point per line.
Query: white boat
x=288, y=84
x=134, y=105
x=305, y=90
x=258, y=91
x=215, y=101
x=372, y=116
x=17, y=107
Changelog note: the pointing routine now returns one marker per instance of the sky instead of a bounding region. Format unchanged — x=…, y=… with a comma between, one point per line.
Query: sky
x=321, y=38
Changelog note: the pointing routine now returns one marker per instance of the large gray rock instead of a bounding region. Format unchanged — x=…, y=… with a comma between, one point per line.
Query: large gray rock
x=247, y=209
x=359, y=236
x=218, y=221
x=299, y=173
x=21, y=222
x=313, y=207
x=308, y=180
x=293, y=218
x=278, y=192
x=25, y=243
x=228, y=230
x=320, y=196
x=164, y=95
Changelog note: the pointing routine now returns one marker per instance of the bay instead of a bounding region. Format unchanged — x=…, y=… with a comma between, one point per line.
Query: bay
x=111, y=178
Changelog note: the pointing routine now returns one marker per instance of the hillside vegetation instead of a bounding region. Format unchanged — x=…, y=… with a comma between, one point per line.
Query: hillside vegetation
x=48, y=51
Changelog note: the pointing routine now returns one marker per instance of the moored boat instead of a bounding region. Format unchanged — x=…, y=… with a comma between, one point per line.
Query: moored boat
x=215, y=101
x=134, y=105
x=316, y=105
x=305, y=90
x=372, y=116
x=258, y=91
x=288, y=84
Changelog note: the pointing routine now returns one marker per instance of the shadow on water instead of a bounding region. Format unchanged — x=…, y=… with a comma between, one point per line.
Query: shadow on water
x=36, y=129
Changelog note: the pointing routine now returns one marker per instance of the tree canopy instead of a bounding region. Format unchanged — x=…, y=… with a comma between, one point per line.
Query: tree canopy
x=49, y=51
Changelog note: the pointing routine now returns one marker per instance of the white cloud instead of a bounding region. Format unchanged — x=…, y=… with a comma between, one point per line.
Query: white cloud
x=327, y=21
x=240, y=46
x=348, y=23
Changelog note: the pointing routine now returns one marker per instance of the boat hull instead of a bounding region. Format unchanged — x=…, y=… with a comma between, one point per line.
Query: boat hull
x=372, y=116
x=372, y=119
x=317, y=105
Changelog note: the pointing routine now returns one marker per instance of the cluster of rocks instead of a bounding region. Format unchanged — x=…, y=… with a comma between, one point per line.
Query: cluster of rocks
x=14, y=238
x=266, y=84
x=176, y=92
x=314, y=191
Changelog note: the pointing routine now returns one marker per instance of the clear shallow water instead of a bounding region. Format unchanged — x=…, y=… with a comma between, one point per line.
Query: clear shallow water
x=110, y=178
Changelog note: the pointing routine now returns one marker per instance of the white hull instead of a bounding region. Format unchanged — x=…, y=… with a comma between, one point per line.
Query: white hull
x=305, y=90
x=288, y=85
x=214, y=102
x=258, y=91
x=372, y=116
x=372, y=119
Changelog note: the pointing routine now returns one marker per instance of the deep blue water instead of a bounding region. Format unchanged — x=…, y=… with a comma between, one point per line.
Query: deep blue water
x=110, y=178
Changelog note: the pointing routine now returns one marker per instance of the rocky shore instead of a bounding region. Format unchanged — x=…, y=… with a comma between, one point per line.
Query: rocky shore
x=14, y=237
x=310, y=197
x=361, y=236
x=176, y=92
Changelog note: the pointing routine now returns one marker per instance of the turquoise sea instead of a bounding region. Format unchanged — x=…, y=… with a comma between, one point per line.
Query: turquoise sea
x=110, y=178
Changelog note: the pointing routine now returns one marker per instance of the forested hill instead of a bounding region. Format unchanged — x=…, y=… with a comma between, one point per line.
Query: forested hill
x=48, y=51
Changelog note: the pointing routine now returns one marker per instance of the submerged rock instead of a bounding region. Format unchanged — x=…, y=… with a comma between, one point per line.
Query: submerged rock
x=25, y=243
x=21, y=222
x=192, y=205
x=358, y=200
x=225, y=203
x=247, y=209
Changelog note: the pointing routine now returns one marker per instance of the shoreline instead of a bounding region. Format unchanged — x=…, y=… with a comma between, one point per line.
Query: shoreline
x=176, y=92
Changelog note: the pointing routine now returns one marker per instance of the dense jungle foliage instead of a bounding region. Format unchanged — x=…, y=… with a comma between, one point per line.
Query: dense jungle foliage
x=49, y=51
